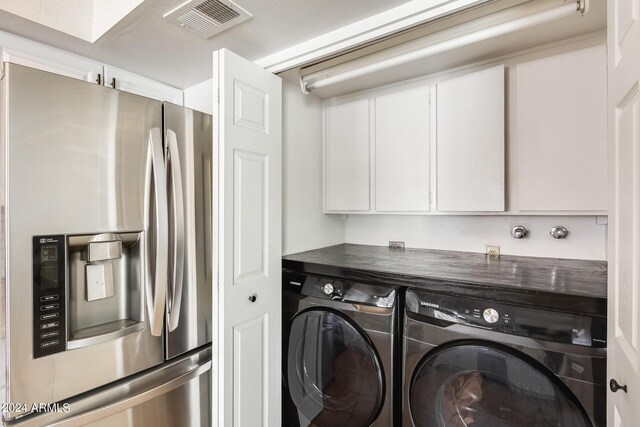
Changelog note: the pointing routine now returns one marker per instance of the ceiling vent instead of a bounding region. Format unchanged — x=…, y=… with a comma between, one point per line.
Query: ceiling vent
x=208, y=18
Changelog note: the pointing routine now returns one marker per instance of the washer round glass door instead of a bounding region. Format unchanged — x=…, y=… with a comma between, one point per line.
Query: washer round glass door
x=334, y=374
x=487, y=385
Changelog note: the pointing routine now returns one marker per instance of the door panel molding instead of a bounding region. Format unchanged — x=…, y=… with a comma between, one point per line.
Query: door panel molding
x=251, y=107
x=250, y=345
x=251, y=216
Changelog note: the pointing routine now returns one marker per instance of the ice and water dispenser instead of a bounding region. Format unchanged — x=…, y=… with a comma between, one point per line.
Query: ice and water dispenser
x=100, y=300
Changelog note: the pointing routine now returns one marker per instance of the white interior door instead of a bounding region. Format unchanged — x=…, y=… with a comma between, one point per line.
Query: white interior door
x=247, y=302
x=623, y=42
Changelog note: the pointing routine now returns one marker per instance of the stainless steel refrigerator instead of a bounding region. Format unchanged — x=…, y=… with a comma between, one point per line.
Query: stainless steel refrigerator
x=106, y=256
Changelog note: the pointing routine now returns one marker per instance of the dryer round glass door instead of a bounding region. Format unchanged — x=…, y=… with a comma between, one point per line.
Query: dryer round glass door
x=489, y=385
x=334, y=374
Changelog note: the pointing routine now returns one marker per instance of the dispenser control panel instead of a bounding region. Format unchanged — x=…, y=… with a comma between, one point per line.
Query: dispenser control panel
x=49, y=323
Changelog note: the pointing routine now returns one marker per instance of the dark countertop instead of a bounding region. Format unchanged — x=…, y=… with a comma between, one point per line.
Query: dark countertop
x=574, y=286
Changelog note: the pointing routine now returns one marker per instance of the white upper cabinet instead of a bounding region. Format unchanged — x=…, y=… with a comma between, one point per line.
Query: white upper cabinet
x=347, y=157
x=134, y=83
x=402, y=128
x=561, y=132
x=35, y=55
x=440, y=145
x=470, y=142
x=26, y=52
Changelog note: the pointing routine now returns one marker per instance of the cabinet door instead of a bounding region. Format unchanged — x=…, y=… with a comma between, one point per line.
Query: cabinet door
x=561, y=132
x=347, y=156
x=134, y=83
x=45, y=58
x=402, y=151
x=470, y=142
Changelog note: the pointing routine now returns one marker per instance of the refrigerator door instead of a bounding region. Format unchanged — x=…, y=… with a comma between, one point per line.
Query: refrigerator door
x=188, y=148
x=177, y=393
x=77, y=167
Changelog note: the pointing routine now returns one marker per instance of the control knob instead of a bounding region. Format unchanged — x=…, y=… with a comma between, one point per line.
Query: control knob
x=490, y=315
x=334, y=294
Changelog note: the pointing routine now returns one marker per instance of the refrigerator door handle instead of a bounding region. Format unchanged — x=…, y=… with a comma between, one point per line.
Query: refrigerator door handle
x=156, y=283
x=174, y=300
x=130, y=402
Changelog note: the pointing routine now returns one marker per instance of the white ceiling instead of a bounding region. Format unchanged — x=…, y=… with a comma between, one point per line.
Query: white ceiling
x=145, y=43
x=85, y=19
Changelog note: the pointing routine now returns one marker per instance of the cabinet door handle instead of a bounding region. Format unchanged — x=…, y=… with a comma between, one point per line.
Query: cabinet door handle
x=614, y=386
x=113, y=83
x=99, y=79
x=253, y=298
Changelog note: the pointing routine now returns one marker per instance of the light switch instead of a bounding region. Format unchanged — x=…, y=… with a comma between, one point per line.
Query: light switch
x=99, y=281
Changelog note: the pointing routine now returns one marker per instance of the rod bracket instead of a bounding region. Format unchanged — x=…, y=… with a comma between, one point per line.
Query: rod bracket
x=583, y=7
x=303, y=87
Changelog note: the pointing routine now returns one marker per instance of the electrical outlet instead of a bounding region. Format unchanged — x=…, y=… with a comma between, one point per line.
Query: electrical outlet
x=493, y=251
x=396, y=245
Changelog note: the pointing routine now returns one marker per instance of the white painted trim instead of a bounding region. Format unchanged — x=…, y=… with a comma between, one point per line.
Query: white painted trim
x=400, y=18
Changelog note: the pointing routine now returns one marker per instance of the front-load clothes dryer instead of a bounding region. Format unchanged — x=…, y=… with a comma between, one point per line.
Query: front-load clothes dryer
x=472, y=362
x=339, y=352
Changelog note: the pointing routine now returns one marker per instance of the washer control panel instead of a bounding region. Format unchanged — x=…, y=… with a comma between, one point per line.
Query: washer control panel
x=48, y=286
x=443, y=310
x=482, y=314
x=325, y=288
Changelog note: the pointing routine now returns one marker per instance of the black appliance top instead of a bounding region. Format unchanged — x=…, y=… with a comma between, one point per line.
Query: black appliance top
x=573, y=286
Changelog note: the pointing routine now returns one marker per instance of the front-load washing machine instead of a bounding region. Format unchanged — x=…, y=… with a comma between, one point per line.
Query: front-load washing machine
x=340, y=346
x=471, y=362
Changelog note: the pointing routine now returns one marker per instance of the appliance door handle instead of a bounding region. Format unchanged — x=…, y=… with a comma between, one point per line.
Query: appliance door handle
x=156, y=283
x=153, y=392
x=174, y=299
